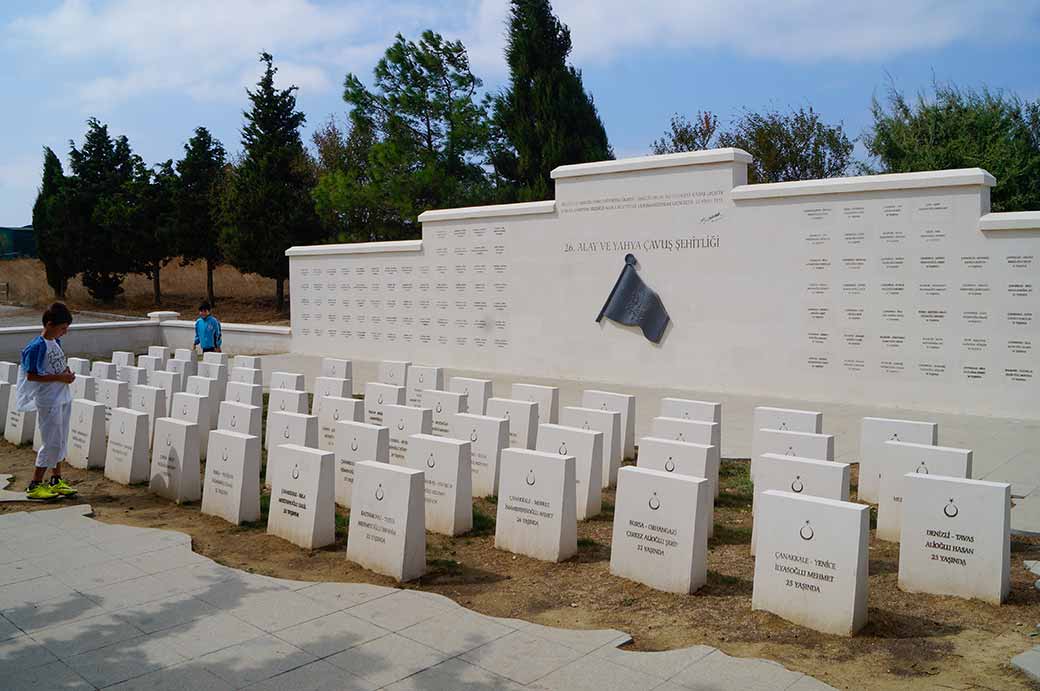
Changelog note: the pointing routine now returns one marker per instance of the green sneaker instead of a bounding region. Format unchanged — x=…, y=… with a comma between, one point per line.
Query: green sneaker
x=41, y=492
x=61, y=488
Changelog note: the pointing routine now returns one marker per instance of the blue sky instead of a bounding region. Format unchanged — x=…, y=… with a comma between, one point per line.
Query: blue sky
x=155, y=70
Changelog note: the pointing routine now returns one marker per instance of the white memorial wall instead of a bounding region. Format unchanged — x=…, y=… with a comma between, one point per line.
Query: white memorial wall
x=872, y=289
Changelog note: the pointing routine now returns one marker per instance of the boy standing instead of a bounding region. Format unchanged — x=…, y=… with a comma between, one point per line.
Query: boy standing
x=43, y=386
x=207, y=330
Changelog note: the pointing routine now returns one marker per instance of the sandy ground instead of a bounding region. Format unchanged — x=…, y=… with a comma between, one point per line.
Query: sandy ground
x=241, y=298
x=911, y=641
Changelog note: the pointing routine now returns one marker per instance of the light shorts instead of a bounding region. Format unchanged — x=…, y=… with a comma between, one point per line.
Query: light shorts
x=54, y=429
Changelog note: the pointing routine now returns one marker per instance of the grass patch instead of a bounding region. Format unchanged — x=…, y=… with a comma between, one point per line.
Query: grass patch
x=587, y=543
x=342, y=525
x=483, y=524
x=731, y=535
x=444, y=566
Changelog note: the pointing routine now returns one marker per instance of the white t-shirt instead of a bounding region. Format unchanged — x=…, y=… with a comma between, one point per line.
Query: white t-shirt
x=35, y=394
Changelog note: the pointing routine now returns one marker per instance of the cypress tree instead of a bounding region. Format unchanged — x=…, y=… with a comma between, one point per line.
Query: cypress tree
x=268, y=207
x=54, y=239
x=544, y=118
x=199, y=174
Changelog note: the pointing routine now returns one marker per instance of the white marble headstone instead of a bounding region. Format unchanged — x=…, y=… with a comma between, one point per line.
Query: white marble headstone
x=487, y=437
x=333, y=409
x=956, y=537
x=83, y=387
x=660, y=537
x=683, y=458
x=241, y=418
x=19, y=426
x=126, y=456
x=337, y=368
x=477, y=391
x=688, y=409
x=536, y=505
x=449, y=485
x=811, y=567
x=113, y=394
x=303, y=509
x=291, y=428
x=377, y=395
x=211, y=390
x=171, y=383
x=547, y=398
x=329, y=386
x=232, y=487
x=609, y=423
x=191, y=407
x=175, y=460
x=622, y=403
x=215, y=358
x=246, y=375
x=286, y=380
x=393, y=372
x=184, y=354
x=819, y=447
x=874, y=432
x=150, y=363
x=403, y=422
x=287, y=401
x=161, y=352
x=805, y=476
x=250, y=394
x=522, y=417
x=248, y=361
x=150, y=400
x=445, y=405
x=679, y=429
x=86, y=443
x=6, y=399
x=123, y=358
x=132, y=375
x=899, y=458
x=104, y=370
x=387, y=520
x=421, y=378
x=214, y=370
x=355, y=442
x=184, y=368
x=77, y=365
x=587, y=448
x=9, y=372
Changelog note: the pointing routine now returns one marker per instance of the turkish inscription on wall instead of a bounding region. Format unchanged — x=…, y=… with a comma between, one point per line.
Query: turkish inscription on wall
x=888, y=293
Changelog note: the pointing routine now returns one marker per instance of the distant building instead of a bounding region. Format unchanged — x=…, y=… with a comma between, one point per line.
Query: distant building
x=17, y=242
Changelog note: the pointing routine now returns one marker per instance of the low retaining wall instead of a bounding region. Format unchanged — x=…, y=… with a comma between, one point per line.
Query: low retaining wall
x=97, y=341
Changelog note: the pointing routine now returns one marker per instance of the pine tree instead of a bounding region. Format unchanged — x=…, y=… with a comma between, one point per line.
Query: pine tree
x=544, y=118
x=269, y=207
x=100, y=200
x=198, y=232
x=54, y=239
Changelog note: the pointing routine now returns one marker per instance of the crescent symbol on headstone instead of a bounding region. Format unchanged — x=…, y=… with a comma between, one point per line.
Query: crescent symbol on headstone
x=806, y=532
x=530, y=478
x=654, y=502
x=951, y=507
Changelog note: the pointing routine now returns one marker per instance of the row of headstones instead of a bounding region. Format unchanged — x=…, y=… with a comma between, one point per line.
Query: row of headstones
x=811, y=542
x=541, y=462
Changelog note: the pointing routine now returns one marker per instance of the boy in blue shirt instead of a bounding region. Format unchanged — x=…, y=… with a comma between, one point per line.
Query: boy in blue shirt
x=207, y=330
x=43, y=386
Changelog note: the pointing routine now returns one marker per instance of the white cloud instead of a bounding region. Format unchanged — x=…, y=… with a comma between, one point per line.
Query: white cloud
x=209, y=49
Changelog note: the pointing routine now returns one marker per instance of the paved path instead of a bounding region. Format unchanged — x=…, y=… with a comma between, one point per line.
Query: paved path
x=1005, y=450
x=87, y=605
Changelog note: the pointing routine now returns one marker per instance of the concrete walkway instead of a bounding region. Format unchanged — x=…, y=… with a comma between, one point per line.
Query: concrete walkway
x=87, y=605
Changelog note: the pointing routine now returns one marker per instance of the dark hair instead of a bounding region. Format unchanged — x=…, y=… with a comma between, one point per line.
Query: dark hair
x=57, y=314
x=204, y=307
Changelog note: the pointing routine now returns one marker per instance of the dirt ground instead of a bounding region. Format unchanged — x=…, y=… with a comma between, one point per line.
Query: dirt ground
x=241, y=298
x=911, y=641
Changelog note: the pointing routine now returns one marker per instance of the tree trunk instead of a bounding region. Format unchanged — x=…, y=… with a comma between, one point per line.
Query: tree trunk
x=156, y=289
x=280, y=293
x=209, y=284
